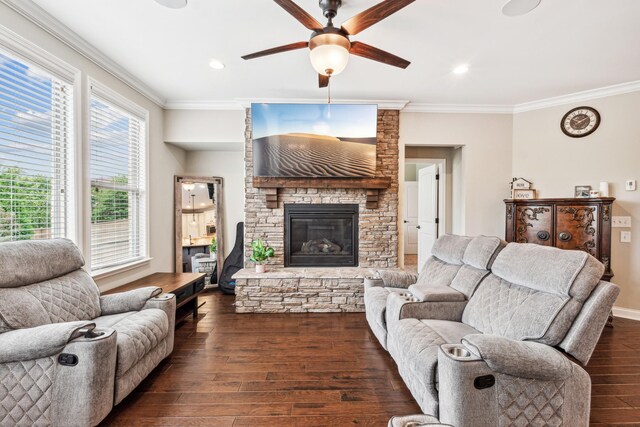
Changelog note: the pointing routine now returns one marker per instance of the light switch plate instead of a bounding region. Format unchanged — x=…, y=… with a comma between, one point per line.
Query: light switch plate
x=621, y=221
x=625, y=236
x=630, y=185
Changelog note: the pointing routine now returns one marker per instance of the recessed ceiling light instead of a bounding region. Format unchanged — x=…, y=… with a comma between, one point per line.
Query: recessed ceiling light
x=173, y=4
x=519, y=7
x=201, y=204
x=461, y=69
x=216, y=65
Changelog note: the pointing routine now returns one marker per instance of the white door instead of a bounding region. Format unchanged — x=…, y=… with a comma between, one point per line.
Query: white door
x=427, y=212
x=411, y=218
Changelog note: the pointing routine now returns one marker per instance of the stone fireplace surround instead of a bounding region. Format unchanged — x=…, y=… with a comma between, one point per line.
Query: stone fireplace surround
x=319, y=289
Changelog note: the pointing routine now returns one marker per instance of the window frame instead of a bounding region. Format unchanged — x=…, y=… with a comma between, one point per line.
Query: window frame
x=33, y=55
x=95, y=88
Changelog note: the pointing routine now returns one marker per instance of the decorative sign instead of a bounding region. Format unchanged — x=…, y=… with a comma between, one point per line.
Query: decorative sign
x=524, y=194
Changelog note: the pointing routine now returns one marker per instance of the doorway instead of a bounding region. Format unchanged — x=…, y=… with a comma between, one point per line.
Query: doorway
x=425, y=201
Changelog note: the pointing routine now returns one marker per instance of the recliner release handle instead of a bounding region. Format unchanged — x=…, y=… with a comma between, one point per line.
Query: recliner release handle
x=485, y=381
x=67, y=359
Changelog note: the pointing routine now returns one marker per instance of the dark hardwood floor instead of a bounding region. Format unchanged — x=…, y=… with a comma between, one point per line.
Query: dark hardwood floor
x=238, y=370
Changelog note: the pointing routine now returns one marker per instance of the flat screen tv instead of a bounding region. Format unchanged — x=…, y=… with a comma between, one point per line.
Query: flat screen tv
x=314, y=140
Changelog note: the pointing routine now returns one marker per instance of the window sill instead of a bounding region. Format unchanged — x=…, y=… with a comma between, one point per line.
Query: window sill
x=111, y=271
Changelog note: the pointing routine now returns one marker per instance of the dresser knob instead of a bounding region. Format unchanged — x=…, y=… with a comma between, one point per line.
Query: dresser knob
x=543, y=235
x=565, y=236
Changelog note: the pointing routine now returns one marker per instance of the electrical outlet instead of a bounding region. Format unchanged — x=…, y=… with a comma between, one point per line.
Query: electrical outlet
x=621, y=221
x=630, y=185
x=625, y=236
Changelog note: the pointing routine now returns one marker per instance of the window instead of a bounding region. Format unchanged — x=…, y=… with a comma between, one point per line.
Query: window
x=118, y=178
x=36, y=146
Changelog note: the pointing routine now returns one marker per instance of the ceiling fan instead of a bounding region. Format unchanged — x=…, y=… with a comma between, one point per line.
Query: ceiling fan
x=330, y=46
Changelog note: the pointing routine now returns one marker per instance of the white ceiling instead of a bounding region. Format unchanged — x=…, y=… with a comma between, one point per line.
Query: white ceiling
x=561, y=47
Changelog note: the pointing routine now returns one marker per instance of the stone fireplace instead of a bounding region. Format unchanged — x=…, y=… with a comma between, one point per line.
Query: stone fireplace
x=321, y=235
x=291, y=284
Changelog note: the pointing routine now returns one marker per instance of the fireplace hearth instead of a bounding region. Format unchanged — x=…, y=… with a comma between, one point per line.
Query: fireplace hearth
x=321, y=235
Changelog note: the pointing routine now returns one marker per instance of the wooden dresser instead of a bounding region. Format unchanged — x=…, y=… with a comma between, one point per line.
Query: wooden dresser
x=583, y=224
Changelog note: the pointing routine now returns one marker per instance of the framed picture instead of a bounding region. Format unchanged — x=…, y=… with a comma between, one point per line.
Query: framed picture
x=582, y=191
x=524, y=194
x=520, y=184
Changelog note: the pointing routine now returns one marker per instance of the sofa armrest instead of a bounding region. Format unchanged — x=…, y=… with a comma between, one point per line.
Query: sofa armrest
x=523, y=359
x=132, y=300
x=166, y=303
x=400, y=306
x=491, y=380
x=436, y=293
x=397, y=279
x=41, y=341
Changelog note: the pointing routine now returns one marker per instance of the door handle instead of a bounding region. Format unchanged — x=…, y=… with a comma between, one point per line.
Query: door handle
x=418, y=227
x=405, y=221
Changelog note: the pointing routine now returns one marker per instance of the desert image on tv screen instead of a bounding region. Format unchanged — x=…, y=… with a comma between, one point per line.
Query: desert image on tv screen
x=314, y=140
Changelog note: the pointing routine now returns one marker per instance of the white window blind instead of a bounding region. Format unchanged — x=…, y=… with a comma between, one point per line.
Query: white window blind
x=118, y=177
x=36, y=137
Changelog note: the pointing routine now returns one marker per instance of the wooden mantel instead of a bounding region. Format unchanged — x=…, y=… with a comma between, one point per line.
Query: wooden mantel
x=371, y=185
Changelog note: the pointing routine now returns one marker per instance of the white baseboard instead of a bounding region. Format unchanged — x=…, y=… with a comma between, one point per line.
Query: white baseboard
x=627, y=313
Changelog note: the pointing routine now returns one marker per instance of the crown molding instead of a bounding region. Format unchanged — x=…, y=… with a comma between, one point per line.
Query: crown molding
x=57, y=29
x=242, y=103
x=416, y=107
x=578, y=97
x=202, y=105
x=382, y=104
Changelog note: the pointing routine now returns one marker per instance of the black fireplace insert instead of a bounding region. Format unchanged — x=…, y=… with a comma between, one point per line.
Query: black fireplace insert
x=320, y=235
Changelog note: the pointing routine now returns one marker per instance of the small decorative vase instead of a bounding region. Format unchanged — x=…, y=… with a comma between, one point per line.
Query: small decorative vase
x=260, y=268
x=213, y=255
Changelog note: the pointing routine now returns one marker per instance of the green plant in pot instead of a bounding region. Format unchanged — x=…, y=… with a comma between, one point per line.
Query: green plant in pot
x=213, y=248
x=261, y=253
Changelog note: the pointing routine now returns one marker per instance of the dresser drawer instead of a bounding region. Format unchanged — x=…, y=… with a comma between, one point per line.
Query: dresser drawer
x=198, y=286
x=183, y=294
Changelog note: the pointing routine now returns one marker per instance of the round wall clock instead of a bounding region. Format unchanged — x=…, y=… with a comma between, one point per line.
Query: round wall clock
x=580, y=122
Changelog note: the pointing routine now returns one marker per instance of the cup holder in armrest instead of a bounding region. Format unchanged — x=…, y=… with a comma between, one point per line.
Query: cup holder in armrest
x=458, y=352
x=409, y=297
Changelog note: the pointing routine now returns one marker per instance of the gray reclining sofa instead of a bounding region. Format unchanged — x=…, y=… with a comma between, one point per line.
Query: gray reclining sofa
x=67, y=354
x=448, y=279
x=497, y=361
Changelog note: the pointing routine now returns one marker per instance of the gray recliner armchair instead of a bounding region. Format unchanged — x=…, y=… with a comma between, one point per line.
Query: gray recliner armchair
x=498, y=363
x=67, y=354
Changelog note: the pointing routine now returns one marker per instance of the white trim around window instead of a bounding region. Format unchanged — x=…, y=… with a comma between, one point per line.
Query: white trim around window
x=117, y=234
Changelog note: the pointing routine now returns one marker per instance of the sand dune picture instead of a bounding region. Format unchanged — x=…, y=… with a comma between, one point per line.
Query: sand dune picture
x=306, y=155
x=310, y=153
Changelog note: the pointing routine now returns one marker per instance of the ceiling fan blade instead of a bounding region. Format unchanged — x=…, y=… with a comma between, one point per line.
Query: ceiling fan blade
x=373, y=15
x=323, y=81
x=300, y=14
x=370, y=52
x=279, y=49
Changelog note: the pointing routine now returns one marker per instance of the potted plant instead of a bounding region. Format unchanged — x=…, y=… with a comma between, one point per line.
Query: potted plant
x=213, y=248
x=261, y=253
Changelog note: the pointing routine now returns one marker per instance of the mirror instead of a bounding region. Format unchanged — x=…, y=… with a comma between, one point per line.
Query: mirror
x=199, y=223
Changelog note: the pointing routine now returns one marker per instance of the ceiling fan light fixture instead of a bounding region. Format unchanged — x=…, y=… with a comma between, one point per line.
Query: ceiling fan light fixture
x=329, y=53
x=519, y=7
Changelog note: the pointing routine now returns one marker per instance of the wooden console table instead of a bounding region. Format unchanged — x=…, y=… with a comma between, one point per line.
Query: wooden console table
x=185, y=286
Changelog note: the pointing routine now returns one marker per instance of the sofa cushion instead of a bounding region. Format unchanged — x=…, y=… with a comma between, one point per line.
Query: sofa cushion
x=68, y=298
x=437, y=273
x=467, y=279
x=481, y=251
x=414, y=344
x=31, y=261
x=450, y=248
x=547, y=269
x=517, y=312
x=138, y=334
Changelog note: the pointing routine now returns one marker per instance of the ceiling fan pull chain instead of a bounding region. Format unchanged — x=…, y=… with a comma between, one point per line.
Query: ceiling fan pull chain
x=329, y=90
